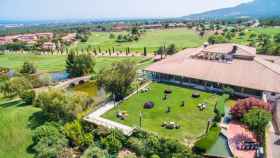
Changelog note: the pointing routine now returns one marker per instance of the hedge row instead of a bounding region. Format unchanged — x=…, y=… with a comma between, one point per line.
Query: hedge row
x=220, y=105
x=205, y=143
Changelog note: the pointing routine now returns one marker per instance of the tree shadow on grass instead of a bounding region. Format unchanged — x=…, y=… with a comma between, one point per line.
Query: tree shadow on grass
x=37, y=119
x=14, y=102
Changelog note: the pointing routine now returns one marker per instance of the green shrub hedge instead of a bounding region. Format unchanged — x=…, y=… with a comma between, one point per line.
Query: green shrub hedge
x=220, y=105
x=202, y=145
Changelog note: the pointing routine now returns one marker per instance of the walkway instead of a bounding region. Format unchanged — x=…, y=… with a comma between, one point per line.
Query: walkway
x=96, y=116
x=273, y=149
x=64, y=84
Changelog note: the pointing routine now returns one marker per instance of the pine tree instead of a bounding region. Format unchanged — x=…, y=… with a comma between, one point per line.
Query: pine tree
x=145, y=51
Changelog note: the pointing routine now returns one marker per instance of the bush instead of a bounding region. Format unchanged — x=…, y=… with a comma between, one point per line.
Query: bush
x=257, y=120
x=136, y=145
x=28, y=96
x=75, y=132
x=220, y=105
x=50, y=146
x=15, y=86
x=61, y=106
x=228, y=90
x=48, y=140
x=94, y=152
x=244, y=105
x=111, y=143
x=149, y=105
x=154, y=156
x=202, y=145
x=167, y=91
x=28, y=68
x=47, y=130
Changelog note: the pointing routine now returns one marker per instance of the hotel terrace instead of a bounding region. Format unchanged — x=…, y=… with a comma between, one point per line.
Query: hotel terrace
x=215, y=67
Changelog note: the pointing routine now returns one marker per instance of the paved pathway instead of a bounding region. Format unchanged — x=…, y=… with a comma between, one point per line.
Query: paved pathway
x=95, y=117
x=273, y=150
x=64, y=84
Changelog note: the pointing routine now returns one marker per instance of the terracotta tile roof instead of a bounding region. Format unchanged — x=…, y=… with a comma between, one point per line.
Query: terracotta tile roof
x=256, y=74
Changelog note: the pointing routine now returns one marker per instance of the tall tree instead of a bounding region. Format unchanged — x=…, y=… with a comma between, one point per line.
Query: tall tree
x=257, y=120
x=118, y=78
x=79, y=65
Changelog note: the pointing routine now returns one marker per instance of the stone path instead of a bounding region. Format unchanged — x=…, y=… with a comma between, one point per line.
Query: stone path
x=95, y=117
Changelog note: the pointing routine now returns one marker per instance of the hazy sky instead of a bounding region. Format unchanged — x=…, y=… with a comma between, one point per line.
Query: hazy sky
x=79, y=9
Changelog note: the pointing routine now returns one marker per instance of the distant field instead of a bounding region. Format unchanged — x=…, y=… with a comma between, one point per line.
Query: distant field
x=16, y=120
x=245, y=39
x=54, y=63
x=152, y=39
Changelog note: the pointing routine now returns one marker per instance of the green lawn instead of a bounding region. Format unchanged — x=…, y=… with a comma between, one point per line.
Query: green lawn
x=245, y=39
x=15, y=123
x=152, y=39
x=54, y=63
x=193, y=121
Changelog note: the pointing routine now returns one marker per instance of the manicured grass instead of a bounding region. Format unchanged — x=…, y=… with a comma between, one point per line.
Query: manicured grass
x=152, y=39
x=193, y=121
x=54, y=63
x=15, y=123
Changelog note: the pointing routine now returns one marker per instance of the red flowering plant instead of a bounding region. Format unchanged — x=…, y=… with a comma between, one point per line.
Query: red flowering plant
x=243, y=106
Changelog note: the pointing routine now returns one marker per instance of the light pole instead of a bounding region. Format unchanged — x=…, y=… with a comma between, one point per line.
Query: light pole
x=140, y=119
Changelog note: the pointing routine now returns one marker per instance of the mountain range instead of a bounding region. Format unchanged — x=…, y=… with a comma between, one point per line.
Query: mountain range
x=254, y=9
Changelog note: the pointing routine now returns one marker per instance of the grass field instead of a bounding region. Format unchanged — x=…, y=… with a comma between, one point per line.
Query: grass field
x=54, y=63
x=16, y=124
x=245, y=39
x=193, y=121
x=152, y=39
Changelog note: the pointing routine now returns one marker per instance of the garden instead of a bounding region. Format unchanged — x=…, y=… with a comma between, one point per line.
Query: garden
x=164, y=106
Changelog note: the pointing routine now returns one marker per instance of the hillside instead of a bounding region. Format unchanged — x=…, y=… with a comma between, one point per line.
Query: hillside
x=254, y=9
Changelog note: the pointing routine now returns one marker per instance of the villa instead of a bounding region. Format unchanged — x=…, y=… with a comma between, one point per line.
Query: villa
x=214, y=67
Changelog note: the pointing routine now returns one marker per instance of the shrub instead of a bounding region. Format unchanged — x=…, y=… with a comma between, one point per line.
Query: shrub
x=28, y=96
x=28, y=68
x=168, y=91
x=46, y=130
x=149, y=105
x=50, y=146
x=15, y=86
x=75, y=132
x=257, y=120
x=61, y=106
x=48, y=140
x=244, y=105
x=94, y=152
x=202, y=145
x=220, y=105
x=154, y=156
x=228, y=90
x=136, y=145
x=111, y=143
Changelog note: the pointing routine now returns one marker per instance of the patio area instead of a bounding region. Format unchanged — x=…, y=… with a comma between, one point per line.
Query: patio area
x=238, y=132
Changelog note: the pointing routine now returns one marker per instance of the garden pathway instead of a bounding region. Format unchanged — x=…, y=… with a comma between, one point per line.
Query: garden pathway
x=96, y=116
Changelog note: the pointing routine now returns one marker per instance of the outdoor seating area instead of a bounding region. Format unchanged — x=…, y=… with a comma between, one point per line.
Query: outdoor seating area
x=202, y=106
x=122, y=115
x=170, y=125
x=242, y=141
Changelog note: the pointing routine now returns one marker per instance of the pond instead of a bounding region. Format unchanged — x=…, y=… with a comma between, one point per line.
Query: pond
x=59, y=76
x=220, y=148
x=92, y=90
